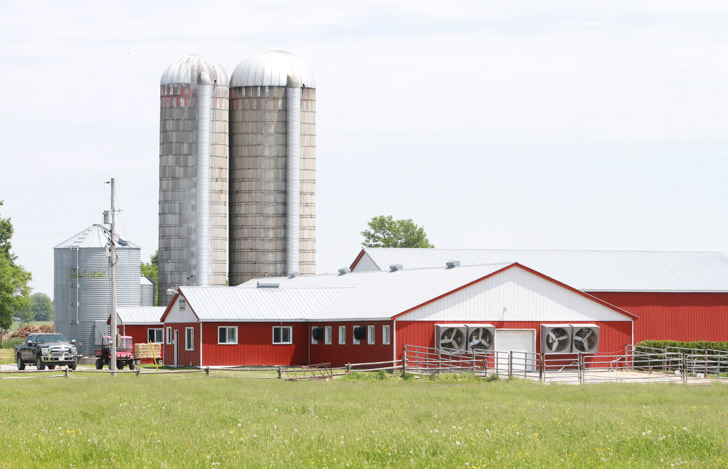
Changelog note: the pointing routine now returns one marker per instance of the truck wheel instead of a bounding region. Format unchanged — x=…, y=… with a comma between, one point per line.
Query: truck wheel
x=119, y=365
x=72, y=366
x=21, y=363
x=51, y=367
x=99, y=363
x=39, y=364
x=131, y=365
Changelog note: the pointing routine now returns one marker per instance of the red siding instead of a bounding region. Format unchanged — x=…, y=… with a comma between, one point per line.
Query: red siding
x=255, y=345
x=139, y=333
x=613, y=335
x=339, y=355
x=674, y=316
x=184, y=357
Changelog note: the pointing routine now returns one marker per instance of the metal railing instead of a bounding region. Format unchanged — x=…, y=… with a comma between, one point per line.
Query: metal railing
x=636, y=364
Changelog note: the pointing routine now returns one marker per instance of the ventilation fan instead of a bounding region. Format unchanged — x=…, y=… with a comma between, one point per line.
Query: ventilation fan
x=556, y=338
x=360, y=333
x=481, y=337
x=451, y=337
x=317, y=333
x=586, y=338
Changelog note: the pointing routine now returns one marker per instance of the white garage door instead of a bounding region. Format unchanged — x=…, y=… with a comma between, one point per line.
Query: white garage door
x=517, y=340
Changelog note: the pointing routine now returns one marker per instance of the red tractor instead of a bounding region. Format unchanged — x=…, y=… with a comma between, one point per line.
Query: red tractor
x=124, y=353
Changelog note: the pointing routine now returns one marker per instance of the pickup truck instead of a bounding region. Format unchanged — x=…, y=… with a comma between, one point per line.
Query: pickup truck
x=48, y=350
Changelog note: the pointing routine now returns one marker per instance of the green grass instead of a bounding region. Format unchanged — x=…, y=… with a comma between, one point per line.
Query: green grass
x=223, y=420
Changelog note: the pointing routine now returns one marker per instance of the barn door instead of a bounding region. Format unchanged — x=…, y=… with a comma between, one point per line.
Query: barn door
x=176, y=347
x=521, y=341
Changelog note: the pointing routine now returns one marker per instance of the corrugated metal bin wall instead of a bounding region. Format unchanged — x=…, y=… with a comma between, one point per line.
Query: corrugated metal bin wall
x=82, y=289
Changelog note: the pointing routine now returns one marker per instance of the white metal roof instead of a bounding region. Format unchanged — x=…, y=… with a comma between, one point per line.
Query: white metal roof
x=354, y=296
x=95, y=236
x=187, y=70
x=140, y=314
x=379, y=295
x=259, y=304
x=627, y=271
x=271, y=68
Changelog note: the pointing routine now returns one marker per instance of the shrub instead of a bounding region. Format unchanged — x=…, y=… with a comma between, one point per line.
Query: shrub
x=700, y=345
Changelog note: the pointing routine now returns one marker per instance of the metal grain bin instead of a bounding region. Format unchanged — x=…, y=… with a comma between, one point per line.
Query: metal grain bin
x=146, y=288
x=82, y=283
x=272, y=167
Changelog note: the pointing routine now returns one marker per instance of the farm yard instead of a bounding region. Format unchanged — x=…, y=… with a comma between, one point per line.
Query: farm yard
x=228, y=419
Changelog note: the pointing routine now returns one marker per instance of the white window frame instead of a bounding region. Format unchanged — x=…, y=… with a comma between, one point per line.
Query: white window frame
x=327, y=335
x=342, y=335
x=189, y=338
x=158, y=331
x=386, y=335
x=290, y=335
x=169, y=335
x=354, y=340
x=227, y=340
x=371, y=330
x=313, y=340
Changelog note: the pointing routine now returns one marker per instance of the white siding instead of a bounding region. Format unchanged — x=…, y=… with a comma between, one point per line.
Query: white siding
x=366, y=264
x=515, y=295
x=177, y=315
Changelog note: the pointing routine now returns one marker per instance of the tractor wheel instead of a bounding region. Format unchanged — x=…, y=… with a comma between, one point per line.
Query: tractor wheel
x=99, y=363
x=39, y=364
x=21, y=363
x=131, y=365
x=51, y=367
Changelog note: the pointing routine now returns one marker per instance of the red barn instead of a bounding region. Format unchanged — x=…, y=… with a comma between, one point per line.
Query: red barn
x=371, y=316
x=676, y=295
x=142, y=323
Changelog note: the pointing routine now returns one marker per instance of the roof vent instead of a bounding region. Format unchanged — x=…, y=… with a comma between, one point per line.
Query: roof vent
x=294, y=274
x=344, y=270
x=452, y=264
x=395, y=267
x=268, y=284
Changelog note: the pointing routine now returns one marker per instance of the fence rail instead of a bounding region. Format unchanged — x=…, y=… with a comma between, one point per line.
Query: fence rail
x=637, y=363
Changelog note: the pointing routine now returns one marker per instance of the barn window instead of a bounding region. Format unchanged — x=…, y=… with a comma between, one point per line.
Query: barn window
x=282, y=335
x=327, y=335
x=385, y=335
x=189, y=338
x=169, y=335
x=227, y=335
x=342, y=335
x=370, y=335
x=155, y=335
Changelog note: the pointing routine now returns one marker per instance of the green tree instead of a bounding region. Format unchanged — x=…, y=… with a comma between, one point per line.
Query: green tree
x=14, y=289
x=385, y=232
x=42, y=307
x=151, y=271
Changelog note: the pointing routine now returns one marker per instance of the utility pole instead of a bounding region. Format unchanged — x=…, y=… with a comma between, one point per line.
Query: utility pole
x=112, y=264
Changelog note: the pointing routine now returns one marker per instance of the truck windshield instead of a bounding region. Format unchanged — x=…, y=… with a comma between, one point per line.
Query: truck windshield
x=48, y=338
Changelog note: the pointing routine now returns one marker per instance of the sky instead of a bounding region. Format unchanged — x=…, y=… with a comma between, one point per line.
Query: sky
x=498, y=124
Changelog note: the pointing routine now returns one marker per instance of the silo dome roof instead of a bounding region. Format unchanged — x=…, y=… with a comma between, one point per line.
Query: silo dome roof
x=187, y=70
x=271, y=68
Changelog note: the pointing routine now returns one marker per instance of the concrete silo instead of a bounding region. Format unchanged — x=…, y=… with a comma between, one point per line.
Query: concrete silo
x=193, y=175
x=272, y=167
x=82, y=284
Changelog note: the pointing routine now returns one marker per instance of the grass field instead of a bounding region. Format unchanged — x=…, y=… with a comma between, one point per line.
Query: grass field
x=223, y=420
